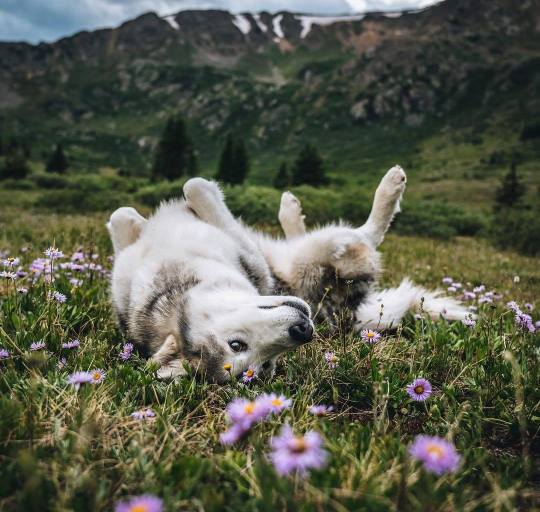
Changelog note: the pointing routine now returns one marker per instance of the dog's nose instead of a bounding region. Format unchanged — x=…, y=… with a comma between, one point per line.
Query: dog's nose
x=302, y=332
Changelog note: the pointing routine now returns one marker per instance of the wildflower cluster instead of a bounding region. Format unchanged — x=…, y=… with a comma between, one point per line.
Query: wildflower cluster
x=523, y=320
x=96, y=376
x=126, y=352
x=477, y=293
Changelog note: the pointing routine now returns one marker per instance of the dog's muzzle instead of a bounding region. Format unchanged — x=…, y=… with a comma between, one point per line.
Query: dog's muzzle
x=302, y=331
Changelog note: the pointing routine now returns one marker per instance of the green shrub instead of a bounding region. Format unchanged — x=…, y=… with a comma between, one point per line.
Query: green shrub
x=12, y=184
x=256, y=205
x=76, y=201
x=48, y=180
x=152, y=195
x=517, y=229
x=437, y=220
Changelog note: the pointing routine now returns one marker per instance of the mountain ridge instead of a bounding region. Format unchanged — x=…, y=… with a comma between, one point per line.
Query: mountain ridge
x=378, y=76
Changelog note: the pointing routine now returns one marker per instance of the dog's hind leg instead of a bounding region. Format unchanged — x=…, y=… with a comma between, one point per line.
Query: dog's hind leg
x=290, y=216
x=125, y=225
x=206, y=200
x=385, y=205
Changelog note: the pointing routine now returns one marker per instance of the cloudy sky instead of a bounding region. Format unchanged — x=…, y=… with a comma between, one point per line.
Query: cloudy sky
x=48, y=20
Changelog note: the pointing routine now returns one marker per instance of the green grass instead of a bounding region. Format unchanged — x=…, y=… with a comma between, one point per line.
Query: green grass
x=65, y=450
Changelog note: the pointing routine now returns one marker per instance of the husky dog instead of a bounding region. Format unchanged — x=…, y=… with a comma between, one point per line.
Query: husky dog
x=191, y=284
x=336, y=268
x=188, y=292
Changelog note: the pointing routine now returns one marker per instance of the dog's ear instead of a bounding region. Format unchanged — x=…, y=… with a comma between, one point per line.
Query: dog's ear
x=168, y=357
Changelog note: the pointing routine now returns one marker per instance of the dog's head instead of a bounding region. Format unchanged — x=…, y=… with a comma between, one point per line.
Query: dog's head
x=223, y=334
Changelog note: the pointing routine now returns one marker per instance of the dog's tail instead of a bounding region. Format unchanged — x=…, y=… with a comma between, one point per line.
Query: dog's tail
x=385, y=309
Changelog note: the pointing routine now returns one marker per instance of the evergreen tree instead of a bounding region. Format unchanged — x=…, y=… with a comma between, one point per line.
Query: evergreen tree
x=309, y=168
x=15, y=167
x=282, y=179
x=57, y=161
x=511, y=190
x=233, y=165
x=175, y=154
x=240, y=168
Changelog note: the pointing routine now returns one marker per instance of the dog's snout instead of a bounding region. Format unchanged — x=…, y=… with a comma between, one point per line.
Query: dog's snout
x=297, y=305
x=302, y=331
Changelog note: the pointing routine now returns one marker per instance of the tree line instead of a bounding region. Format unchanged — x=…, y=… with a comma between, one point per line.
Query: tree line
x=176, y=157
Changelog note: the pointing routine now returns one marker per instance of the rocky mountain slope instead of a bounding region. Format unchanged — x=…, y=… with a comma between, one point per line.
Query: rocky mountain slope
x=366, y=88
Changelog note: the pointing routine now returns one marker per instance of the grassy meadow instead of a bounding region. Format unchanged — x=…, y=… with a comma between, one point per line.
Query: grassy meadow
x=68, y=450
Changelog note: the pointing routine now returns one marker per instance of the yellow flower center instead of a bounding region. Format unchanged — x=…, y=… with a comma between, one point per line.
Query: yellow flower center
x=435, y=450
x=96, y=376
x=249, y=408
x=276, y=402
x=298, y=445
x=370, y=334
x=419, y=390
x=139, y=508
x=250, y=373
x=227, y=367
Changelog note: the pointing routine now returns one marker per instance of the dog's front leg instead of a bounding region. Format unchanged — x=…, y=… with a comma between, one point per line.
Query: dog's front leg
x=385, y=205
x=290, y=216
x=171, y=365
x=206, y=200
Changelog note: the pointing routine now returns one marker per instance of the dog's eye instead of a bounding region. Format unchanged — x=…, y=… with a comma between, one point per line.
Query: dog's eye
x=237, y=346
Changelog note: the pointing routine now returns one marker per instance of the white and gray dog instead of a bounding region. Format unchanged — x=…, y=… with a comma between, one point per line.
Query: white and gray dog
x=193, y=285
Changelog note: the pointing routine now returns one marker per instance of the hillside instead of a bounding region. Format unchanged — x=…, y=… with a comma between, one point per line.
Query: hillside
x=446, y=90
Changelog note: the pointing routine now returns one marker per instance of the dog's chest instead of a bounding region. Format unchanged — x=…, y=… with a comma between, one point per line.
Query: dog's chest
x=333, y=300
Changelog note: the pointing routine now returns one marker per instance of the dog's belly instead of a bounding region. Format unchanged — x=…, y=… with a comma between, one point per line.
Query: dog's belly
x=333, y=300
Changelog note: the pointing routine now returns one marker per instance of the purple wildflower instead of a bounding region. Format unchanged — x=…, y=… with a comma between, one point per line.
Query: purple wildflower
x=331, y=359
x=447, y=280
x=61, y=363
x=58, y=297
x=438, y=455
x=469, y=295
x=469, y=321
x=143, y=414
x=10, y=262
x=4, y=354
x=479, y=289
x=126, y=352
x=485, y=299
x=419, y=389
x=525, y=322
x=144, y=503
x=320, y=410
x=513, y=306
x=370, y=336
x=71, y=344
x=528, y=306
x=291, y=453
x=77, y=256
x=451, y=289
x=37, y=345
x=8, y=275
x=246, y=412
x=78, y=378
x=249, y=375
x=53, y=253
x=97, y=375
x=274, y=403
x=233, y=434
x=75, y=282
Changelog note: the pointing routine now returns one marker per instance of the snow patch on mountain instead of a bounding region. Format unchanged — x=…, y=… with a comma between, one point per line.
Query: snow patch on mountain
x=260, y=24
x=171, y=20
x=276, y=22
x=242, y=24
x=309, y=21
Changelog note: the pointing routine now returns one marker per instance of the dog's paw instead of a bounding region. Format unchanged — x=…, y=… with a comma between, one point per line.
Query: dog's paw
x=395, y=180
x=290, y=208
x=201, y=194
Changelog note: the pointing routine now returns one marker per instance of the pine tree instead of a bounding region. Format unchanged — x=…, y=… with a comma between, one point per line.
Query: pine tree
x=240, y=168
x=511, y=190
x=309, y=168
x=282, y=179
x=175, y=154
x=57, y=161
x=233, y=165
